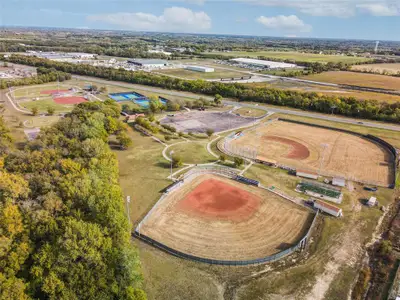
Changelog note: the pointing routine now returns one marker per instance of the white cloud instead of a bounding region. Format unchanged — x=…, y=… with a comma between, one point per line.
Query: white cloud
x=380, y=10
x=173, y=19
x=285, y=23
x=335, y=8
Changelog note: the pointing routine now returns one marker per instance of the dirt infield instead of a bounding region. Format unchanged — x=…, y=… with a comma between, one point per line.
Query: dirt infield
x=217, y=200
x=69, y=100
x=297, y=150
x=345, y=155
x=197, y=219
x=51, y=92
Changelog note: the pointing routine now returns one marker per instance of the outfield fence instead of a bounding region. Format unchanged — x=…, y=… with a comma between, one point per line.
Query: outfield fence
x=230, y=173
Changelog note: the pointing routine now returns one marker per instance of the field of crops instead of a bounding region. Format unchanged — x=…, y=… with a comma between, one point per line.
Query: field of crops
x=354, y=78
x=379, y=68
x=297, y=56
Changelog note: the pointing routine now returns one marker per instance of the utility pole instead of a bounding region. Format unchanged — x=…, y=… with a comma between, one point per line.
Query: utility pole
x=128, y=201
x=170, y=154
x=324, y=146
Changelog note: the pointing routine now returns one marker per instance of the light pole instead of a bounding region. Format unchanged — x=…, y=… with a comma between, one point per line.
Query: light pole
x=170, y=154
x=324, y=146
x=128, y=201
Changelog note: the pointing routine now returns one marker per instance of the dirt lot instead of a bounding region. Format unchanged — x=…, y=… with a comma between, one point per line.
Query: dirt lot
x=301, y=146
x=217, y=218
x=200, y=121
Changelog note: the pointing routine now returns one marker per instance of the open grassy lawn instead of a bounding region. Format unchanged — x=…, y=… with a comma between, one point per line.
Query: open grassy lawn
x=355, y=78
x=35, y=90
x=43, y=105
x=250, y=112
x=218, y=73
x=380, y=68
x=296, y=56
x=193, y=152
x=41, y=121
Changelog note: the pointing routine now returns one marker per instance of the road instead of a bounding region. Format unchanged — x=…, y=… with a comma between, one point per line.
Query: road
x=300, y=113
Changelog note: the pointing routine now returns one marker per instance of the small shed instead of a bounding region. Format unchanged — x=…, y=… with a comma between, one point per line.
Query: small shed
x=328, y=208
x=339, y=181
x=307, y=174
x=132, y=118
x=371, y=201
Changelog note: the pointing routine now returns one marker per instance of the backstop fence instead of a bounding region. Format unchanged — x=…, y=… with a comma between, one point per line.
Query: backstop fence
x=231, y=173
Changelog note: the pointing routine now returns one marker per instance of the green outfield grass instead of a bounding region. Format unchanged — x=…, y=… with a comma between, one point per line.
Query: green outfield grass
x=250, y=112
x=295, y=56
x=43, y=105
x=193, y=152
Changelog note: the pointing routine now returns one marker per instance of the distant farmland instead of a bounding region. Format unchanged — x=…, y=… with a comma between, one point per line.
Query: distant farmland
x=379, y=68
x=354, y=78
x=296, y=56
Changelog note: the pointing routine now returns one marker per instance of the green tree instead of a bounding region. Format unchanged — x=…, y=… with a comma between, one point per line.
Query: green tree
x=124, y=140
x=238, y=161
x=218, y=99
x=177, y=161
x=35, y=111
x=209, y=132
x=51, y=110
x=222, y=157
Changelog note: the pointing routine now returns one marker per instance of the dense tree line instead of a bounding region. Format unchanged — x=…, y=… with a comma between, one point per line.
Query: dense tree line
x=44, y=75
x=348, y=106
x=63, y=230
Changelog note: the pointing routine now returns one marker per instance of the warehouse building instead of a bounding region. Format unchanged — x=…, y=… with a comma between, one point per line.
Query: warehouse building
x=199, y=69
x=339, y=181
x=262, y=63
x=148, y=63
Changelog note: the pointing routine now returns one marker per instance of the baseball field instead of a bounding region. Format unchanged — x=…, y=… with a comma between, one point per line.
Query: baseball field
x=330, y=152
x=217, y=218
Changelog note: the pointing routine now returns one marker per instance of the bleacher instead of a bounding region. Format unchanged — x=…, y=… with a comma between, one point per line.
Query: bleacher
x=247, y=180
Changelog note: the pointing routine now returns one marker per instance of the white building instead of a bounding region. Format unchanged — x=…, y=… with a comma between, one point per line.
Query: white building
x=200, y=69
x=372, y=201
x=263, y=63
x=307, y=174
x=328, y=208
x=148, y=63
x=339, y=182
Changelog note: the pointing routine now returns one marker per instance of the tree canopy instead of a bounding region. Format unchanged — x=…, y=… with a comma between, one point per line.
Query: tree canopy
x=63, y=229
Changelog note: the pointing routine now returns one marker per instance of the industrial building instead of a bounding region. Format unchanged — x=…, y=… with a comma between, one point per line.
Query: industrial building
x=148, y=63
x=199, y=69
x=262, y=63
x=339, y=181
x=61, y=56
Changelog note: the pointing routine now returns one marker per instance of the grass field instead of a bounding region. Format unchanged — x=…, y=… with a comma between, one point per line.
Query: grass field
x=250, y=112
x=218, y=73
x=379, y=68
x=193, y=152
x=354, y=78
x=295, y=56
x=43, y=105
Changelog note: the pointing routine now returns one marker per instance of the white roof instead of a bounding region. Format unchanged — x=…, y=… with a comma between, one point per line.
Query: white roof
x=339, y=181
x=266, y=63
x=372, y=200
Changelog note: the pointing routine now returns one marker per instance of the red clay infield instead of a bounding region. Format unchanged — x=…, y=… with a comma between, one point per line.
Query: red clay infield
x=218, y=200
x=69, y=100
x=50, y=92
x=298, y=151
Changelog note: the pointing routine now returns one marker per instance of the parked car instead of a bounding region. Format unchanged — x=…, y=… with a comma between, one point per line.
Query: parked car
x=371, y=189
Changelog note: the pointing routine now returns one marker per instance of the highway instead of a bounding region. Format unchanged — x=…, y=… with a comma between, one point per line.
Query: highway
x=300, y=113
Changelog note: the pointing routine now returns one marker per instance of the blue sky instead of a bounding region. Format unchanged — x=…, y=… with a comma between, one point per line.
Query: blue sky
x=356, y=19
